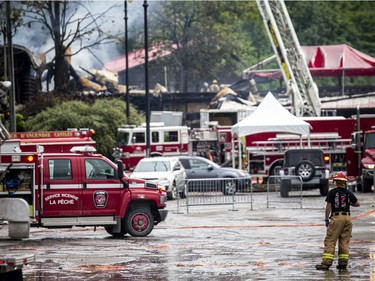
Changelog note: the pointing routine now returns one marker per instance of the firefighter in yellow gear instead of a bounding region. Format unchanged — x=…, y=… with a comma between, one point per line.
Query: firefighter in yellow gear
x=338, y=223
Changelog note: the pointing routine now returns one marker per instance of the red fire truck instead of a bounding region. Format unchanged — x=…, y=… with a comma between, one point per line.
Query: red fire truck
x=333, y=135
x=263, y=152
x=79, y=188
x=165, y=141
x=55, y=141
x=363, y=150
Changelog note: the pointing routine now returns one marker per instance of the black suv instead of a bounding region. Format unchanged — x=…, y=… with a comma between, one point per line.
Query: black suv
x=306, y=165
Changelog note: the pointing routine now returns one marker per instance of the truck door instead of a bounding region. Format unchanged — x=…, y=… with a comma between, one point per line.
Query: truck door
x=101, y=188
x=352, y=165
x=61, y=191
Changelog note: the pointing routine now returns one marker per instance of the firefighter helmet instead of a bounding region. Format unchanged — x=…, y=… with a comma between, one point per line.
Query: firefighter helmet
x=340, y=176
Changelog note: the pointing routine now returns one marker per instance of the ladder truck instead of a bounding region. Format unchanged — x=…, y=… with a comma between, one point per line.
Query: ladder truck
x=299, y=83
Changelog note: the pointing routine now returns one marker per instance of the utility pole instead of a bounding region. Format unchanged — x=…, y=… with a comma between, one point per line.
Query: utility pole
x=148, y=146
x=12, y=99
x=127, y=62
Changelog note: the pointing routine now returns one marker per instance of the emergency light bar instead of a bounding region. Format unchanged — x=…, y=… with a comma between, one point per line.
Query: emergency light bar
x=83, y=149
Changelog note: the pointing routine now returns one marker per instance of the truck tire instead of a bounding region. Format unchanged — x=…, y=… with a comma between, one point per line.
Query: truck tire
x=139, y=222
x=324, y=186
x=305, y=170
x=120, y=234
x=284, y=187
x=366, y=184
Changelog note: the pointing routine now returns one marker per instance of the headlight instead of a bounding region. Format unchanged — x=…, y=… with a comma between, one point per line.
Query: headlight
x=369, y=166
x=163, y=199
x=244, y=174
x=164, y=181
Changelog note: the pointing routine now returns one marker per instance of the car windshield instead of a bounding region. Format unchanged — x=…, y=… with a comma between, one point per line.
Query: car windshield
x=370, y=141
x=153, y=166
x=198, y=164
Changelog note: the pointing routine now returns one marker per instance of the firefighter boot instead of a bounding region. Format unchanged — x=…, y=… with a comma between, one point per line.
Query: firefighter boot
x=325, y=265
x=341, y=265
x=322, y=266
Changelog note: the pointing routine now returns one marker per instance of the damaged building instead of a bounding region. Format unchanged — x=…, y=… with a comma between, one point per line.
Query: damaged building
x=27, y=73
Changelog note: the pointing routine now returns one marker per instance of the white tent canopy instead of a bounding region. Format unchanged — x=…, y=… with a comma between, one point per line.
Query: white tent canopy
x=271, y=116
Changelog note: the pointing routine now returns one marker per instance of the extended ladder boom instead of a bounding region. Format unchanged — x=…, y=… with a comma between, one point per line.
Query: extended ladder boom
x=297, y=76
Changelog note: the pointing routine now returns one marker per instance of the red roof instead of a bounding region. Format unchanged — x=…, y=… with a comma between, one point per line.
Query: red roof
x=136, y=58
x=331, y=60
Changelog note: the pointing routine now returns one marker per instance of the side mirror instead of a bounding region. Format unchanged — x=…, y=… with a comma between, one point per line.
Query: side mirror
x=120, y=169
x=356, y=140
x=210, y=168
x=120, y=173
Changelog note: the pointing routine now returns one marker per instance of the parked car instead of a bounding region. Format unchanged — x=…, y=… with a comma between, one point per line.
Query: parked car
x=166, y=171
x=201, y=168
x=306, y=165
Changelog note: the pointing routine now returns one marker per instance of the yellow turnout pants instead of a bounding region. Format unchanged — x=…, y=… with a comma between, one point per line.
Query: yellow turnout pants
x=339, y=228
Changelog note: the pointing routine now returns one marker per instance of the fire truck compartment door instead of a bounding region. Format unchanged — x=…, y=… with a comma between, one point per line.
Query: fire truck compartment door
x=101, y=188
x=62, y=191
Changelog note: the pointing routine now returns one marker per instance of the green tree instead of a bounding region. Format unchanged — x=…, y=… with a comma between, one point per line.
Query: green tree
x=208, y=38
x=334, y=22
x=104, y=116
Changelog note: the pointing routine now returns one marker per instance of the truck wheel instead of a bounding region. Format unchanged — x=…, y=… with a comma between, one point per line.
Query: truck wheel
x=284, y=187
x=139, y=222
x=172, y=194
x=120, y=234
x=305, y=170
x=366, y=184
x=324, y=186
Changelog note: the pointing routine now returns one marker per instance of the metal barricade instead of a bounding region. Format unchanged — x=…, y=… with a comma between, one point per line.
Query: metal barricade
x=221, y=191
x=279, y=191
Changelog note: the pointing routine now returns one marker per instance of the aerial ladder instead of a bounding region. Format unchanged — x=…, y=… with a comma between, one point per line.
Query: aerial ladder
x=296, y=74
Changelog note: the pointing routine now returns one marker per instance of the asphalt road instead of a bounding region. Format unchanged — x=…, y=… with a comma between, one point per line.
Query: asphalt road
x=282, y=242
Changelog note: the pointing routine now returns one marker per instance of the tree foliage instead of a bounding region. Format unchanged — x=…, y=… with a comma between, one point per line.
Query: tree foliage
x=208, y=38
x=221, y=38
x=334, y=22
x=16, y=16
x=104, y=116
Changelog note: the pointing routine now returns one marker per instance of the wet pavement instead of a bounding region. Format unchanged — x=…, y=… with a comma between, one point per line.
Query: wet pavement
x=282, y=242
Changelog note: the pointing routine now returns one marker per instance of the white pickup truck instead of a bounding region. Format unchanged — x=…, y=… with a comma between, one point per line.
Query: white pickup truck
x=11, y=266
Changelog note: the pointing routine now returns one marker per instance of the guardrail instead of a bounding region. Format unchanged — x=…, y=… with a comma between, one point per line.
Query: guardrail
x=221, y=191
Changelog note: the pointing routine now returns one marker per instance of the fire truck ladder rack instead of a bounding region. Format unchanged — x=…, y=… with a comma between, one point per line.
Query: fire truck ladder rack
x=297, y=76
x=277, y=145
